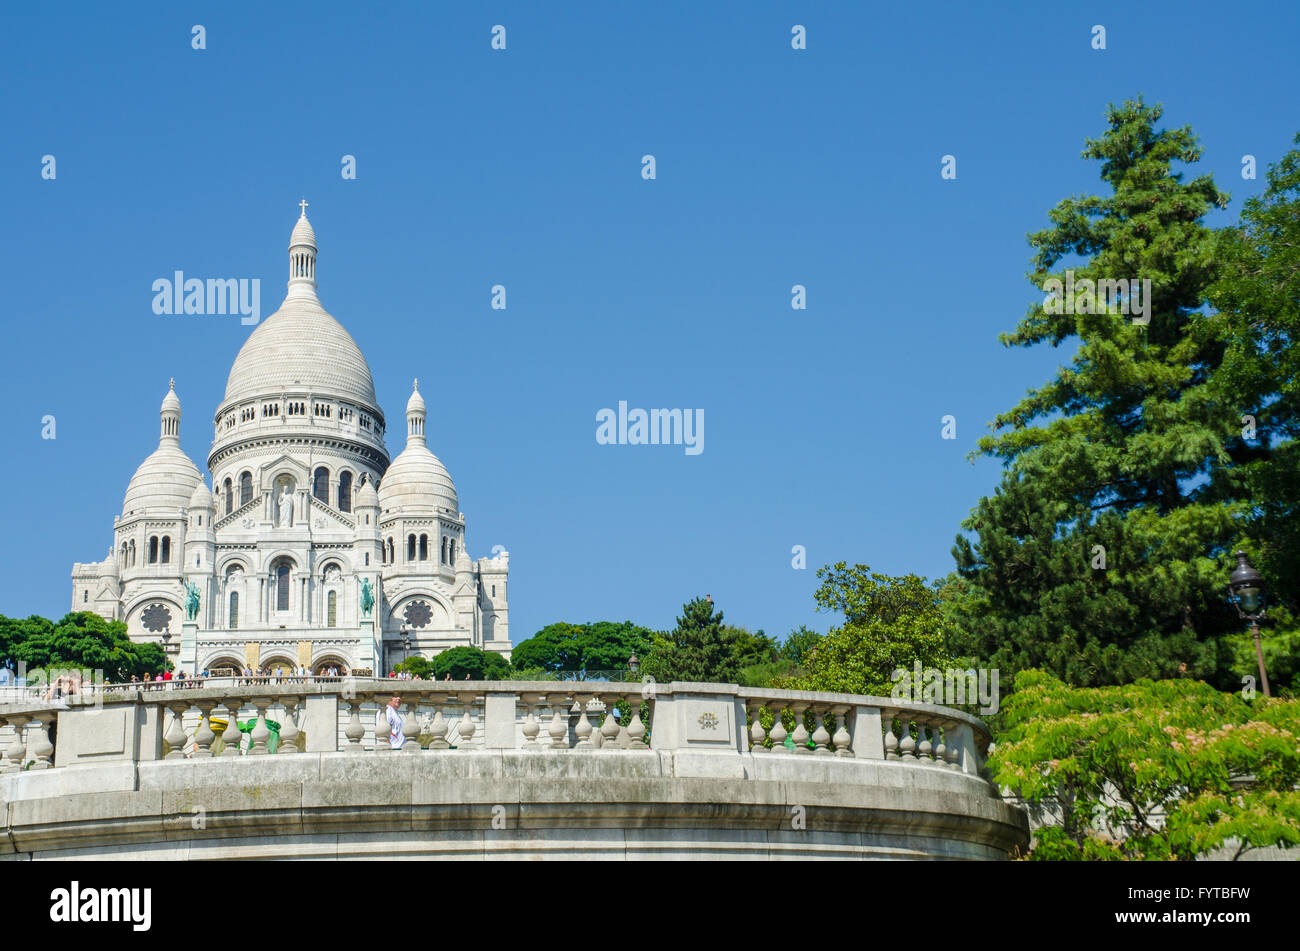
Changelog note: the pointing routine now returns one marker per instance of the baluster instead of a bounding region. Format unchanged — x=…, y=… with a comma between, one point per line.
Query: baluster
x=891, y=741
x=289, y=728
x=907, y=745
x=382, y=730
x=583, y=729
x=466, y=725
x=756, y=732
x=17, y=749
x=438, y=726
x=411, y=727
x=261, y=732
x=610, y=729
x=800, y=734
x=532, y=726
x=924, y=749
x=821, y=736
x=39, y=747
x=559, y=728
x=635, y=728
x=778, y=733
x=176, y=736
x=354, y=731
x=842, y=739
x=231, y=737
x=204, y=736
x=940, y=741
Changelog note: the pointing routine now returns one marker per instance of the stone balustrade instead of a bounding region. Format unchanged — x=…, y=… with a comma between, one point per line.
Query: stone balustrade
x=323, y=715
x=534, y=769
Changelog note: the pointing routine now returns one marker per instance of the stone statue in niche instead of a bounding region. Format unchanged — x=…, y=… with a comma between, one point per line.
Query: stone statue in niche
x=284, y=508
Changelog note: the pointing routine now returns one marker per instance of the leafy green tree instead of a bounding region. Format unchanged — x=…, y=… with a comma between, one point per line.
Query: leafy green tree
x=1103, y=554
x=748, y=648
x=696, y=650
x=889, y=622
x=13, y=631
x=581, y=649
x=466, y=660
x=84, y=640
x=1107, y=763
x=421, y=668
x=798, y=643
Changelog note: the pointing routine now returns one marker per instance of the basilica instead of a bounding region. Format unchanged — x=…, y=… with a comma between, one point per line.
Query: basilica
x=311, y=548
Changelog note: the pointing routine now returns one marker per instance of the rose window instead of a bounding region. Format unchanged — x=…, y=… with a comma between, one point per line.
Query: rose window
x=156, y=617
x=418, y=614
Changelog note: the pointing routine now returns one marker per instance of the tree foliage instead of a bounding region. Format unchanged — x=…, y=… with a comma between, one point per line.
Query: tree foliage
x=889, y=622
x=1103, y=554
x=81, y=640
x=470, y=663
x=695, y=650
x=598, y=646
x=1151, y=770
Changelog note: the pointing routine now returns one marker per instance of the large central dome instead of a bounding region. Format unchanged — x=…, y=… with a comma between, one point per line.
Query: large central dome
x=301, y=345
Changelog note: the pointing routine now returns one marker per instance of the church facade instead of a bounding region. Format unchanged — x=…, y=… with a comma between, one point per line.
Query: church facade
x=311, y=548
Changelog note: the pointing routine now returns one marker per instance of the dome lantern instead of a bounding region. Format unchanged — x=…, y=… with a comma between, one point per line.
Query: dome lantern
x=415, y=414
x=302, y=257
x=171, y=416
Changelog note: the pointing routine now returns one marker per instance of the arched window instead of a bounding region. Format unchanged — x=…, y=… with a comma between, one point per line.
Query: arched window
x=451, y=550
x=230, y=496
x=130, y=553
x=367, y=559
x=332, y=618
x=85, y=596
x=410, y=548
x=282, y=586
x=245, y=488
x=166, y=550
x=153, y=549
x=424, y=547
x=320, y=485
x=233, y=619
x=444, y=549
x=391, y=552
x=124, y=562
x=345, y=491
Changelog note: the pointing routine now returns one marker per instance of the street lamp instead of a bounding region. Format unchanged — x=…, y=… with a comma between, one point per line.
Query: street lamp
x=406, y=644
x=633, y=664
x=1246, y=592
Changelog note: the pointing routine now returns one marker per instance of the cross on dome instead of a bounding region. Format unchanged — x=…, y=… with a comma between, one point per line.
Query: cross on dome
x=303, y=205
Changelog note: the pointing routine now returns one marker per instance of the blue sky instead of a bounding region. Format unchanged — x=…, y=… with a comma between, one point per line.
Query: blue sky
x=522, y=168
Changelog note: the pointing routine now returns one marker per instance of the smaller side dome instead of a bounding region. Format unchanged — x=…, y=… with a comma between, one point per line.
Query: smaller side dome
x=202, y=497
x=108, y=567
x=366, y=496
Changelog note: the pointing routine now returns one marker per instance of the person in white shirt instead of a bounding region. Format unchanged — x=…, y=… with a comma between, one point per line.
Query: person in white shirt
x=395, y=736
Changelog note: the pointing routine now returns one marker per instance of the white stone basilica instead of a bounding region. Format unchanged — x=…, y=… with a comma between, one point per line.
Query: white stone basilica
x=312, y=549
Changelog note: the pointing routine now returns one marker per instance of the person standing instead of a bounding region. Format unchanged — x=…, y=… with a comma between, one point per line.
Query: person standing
x=395, y=735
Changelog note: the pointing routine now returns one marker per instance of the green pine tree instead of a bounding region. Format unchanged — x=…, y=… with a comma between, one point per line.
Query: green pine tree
x=697, y=649
x=1103, y=555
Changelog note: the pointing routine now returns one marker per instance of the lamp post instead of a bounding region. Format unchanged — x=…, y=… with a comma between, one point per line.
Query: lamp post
x=633, y=664
x=1246, y=591
x=406, y=644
